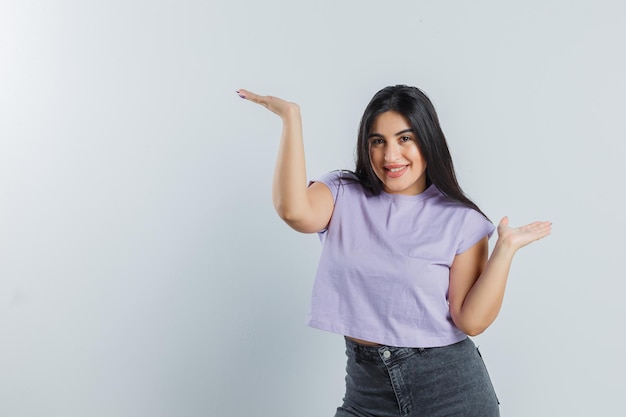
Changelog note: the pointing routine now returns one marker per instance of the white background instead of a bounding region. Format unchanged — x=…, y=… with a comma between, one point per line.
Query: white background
x=143, y=271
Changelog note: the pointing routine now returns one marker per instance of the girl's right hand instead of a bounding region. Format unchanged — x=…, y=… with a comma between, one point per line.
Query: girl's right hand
x=276, y=105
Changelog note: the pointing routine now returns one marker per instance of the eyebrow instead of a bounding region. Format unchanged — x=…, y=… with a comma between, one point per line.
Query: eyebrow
x=374, y=134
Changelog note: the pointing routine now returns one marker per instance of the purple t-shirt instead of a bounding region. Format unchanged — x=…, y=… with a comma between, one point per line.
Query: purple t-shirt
x=384, y=269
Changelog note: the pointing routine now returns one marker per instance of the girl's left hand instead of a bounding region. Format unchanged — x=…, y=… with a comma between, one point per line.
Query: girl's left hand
x=518, y=237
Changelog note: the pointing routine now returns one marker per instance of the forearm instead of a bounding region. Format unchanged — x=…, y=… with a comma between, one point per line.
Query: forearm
x=289, y=184
x=305, y=209
x=483, y=302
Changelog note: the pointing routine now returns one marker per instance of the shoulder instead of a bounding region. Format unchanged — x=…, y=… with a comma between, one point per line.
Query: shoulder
x=466, y=224
x=443, y=204
x=338, y=181
x=452, y=206
x=475, y=226
x=337, y=176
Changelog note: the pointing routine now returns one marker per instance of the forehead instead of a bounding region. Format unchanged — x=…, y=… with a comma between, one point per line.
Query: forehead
x=390, y=121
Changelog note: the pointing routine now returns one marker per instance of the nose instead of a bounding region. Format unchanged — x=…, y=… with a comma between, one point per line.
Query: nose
x=392, y=152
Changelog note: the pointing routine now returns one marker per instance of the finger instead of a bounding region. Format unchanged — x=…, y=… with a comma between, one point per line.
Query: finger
x=539, y=230
x=536, y=226
x=540, y=234
x=539, y=223
x=248, y=95
x=504, y=221
x=265, y=101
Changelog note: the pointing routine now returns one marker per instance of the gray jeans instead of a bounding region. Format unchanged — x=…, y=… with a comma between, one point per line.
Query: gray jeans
x=417, y=382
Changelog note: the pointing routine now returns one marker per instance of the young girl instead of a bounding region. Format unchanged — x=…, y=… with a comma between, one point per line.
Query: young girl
x=404, y=274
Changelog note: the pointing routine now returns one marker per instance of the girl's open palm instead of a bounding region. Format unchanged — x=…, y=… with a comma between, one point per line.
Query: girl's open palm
x=518, y=237
x=276, y=105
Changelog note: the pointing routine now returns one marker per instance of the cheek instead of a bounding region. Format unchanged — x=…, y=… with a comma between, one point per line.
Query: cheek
x=417, y=155
x=423, y=160
x=375, y=161
x=374, y=156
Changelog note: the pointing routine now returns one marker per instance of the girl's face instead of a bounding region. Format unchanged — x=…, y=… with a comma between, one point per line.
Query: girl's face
x=395, y=156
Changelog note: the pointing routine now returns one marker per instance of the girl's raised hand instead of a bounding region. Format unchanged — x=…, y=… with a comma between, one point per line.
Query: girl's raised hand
x=518, y=237
x=276, y=105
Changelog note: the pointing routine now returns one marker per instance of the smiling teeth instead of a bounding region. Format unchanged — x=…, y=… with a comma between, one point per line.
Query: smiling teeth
x=396, y=169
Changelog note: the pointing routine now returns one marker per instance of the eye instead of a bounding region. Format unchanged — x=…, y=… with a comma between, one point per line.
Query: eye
x=405, y=138
x=377, y=141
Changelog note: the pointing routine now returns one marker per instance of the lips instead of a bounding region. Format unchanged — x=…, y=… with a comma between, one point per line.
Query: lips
x=395, y=171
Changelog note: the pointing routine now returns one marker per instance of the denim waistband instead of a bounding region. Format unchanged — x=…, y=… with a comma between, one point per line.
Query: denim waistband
x=364, y=353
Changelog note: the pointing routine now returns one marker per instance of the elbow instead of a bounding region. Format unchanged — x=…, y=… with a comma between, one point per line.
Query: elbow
x=471, y=327
x=288, y=215
x=282, y=212
x=474, y=331
x=295, y=221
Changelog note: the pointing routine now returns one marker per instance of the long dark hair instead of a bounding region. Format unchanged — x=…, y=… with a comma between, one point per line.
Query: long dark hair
x=416, y=107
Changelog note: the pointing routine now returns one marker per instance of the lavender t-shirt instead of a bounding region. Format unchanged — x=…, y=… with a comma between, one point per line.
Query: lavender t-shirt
x=384, y=269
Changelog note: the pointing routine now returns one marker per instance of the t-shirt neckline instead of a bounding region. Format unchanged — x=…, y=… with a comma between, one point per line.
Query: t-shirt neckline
x=430, y=191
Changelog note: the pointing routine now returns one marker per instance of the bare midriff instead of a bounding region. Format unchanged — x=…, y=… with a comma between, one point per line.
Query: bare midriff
x=362, y=342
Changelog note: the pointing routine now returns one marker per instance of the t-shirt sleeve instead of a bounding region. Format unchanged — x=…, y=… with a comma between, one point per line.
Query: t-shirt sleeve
x=333, y=180
x=475, y=227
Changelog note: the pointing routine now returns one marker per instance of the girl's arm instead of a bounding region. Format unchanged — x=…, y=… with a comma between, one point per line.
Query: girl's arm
x=305, y=209
x=477, y=284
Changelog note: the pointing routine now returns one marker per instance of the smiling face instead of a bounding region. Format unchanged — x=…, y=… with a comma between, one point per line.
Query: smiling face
x=395, y=156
